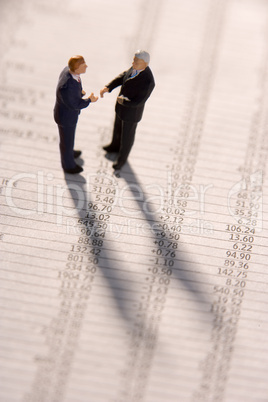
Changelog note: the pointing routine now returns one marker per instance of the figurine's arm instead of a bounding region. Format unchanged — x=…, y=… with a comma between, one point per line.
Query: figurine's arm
x=72, y=100
x=113, y=84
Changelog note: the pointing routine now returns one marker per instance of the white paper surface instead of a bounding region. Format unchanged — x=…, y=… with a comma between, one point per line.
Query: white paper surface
x=150, y=285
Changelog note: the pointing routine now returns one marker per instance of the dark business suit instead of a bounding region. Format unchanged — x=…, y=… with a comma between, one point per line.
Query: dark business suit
x=66, y=111
x=137, y=90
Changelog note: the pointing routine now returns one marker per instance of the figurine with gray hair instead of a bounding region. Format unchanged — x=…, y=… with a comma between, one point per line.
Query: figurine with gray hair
x=137, y=84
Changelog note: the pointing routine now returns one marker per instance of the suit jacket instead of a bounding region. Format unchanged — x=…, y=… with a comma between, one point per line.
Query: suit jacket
x=137, y=89
x=68, y=100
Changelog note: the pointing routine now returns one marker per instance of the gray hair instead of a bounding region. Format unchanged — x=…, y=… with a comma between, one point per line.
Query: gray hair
x=142, y=54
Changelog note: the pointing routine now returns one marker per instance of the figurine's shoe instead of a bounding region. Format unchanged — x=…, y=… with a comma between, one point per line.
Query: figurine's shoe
x=77, y=154
x=109, y=148
x=76, y=169
x=117, y=166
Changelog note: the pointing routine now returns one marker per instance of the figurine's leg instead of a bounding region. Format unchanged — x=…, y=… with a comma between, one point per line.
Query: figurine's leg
x=116, y=139
x=127, y=140
x=66, y=146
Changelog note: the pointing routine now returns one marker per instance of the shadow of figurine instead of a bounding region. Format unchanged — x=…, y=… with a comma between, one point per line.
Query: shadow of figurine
x=97, y=254
x=164, y=240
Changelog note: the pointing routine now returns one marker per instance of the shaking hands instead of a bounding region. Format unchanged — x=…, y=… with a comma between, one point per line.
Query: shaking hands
x=94, y=98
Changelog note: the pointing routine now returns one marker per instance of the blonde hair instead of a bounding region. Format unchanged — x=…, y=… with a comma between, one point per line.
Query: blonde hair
x=75, y=62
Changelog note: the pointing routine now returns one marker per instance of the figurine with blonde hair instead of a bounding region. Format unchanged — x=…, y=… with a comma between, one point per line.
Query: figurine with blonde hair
x=69, y=102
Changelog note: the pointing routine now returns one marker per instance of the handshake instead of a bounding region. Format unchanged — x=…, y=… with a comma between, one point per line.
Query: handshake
x=137, y=83
x=94, y=98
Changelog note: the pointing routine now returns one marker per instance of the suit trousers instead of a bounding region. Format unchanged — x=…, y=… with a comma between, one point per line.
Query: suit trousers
x=67, y=134
x=123, y=138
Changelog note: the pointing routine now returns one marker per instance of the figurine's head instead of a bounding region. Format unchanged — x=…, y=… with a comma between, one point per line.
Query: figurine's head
x=141, y=60
x=77, y=64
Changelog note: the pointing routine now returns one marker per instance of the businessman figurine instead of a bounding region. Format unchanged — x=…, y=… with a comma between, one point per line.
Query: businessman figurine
x=137, y=84
x=67, y=108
